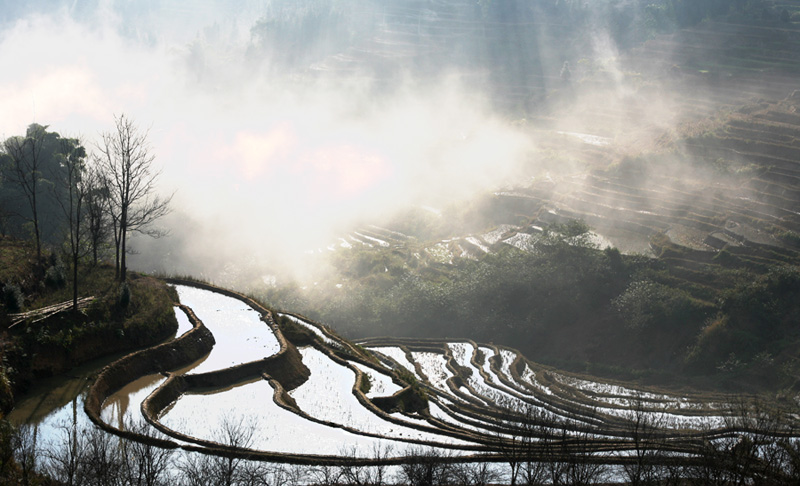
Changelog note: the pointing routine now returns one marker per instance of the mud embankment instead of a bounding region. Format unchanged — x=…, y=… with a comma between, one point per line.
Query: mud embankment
x=53, y=359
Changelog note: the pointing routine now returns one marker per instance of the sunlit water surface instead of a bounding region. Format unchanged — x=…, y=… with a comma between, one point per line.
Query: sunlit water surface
x=240, y=334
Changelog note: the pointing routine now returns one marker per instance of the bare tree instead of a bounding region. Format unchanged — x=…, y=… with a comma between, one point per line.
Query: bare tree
x=145, y=464
x=760, y=446
x=324, y=475
x=256, y=473
x=287, y=474
x=576, y=464
x=130, y=176
x=555, y=446
x=194, y=469
x=474, y=474
x=514, y=442
x=7, y=435
x=537, y=422
x=233, y=432
x=788, y=466
x=102, y=460
x=64, y=457
x=710, y=459
x=70, y=191
x=379, y=473
x=645, y=431
x=425, y=467
x=26, y=452
x=350, y=473
x=230, y=469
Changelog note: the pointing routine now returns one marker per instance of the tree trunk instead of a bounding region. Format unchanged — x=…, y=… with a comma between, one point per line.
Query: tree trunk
x=36, y=233
x=123, y=250
x=117, y=243
x=75, y=281
x=123, y=268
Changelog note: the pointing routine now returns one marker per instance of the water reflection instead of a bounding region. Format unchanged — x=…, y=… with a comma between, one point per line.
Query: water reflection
x=124, y=405
x=241, y=336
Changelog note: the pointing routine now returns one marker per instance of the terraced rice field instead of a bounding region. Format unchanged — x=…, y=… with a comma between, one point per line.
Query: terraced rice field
x=458, y=398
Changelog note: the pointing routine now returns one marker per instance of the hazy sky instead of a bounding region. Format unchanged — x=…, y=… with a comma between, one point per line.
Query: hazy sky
x=257, y=160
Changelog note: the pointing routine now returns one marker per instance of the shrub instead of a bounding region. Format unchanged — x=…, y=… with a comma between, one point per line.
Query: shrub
x=12, y=298
x=790, y=238
x=366, y=383
x=54, y=259
x=294, y=332
x=406, y=376
x=646, y=304
x=124, y=297
x=56, y=276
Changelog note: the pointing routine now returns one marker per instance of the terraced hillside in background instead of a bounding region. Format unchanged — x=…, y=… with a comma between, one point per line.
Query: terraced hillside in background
x=683, y=154
x=723, y=169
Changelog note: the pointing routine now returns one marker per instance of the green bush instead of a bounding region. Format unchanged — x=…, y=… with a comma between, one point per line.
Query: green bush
x=790, y=238
x=12, y=298
x=54, y=259
x=124, y=297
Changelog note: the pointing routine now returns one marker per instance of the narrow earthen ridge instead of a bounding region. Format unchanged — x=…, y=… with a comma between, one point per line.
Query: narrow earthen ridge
x=182, y=351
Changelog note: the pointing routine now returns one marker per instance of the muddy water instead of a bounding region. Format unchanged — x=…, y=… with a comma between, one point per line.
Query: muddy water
x=123, y=407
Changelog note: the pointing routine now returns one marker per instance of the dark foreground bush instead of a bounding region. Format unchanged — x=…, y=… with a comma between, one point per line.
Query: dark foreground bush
x=55, y=277
x=12, y=298
x=124, y=297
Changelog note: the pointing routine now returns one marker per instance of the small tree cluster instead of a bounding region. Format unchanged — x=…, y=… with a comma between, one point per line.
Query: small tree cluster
x=78, y=201
x=12, y=298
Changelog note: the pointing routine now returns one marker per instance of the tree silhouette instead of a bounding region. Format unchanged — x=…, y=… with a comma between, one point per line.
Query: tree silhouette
x=130, y=177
